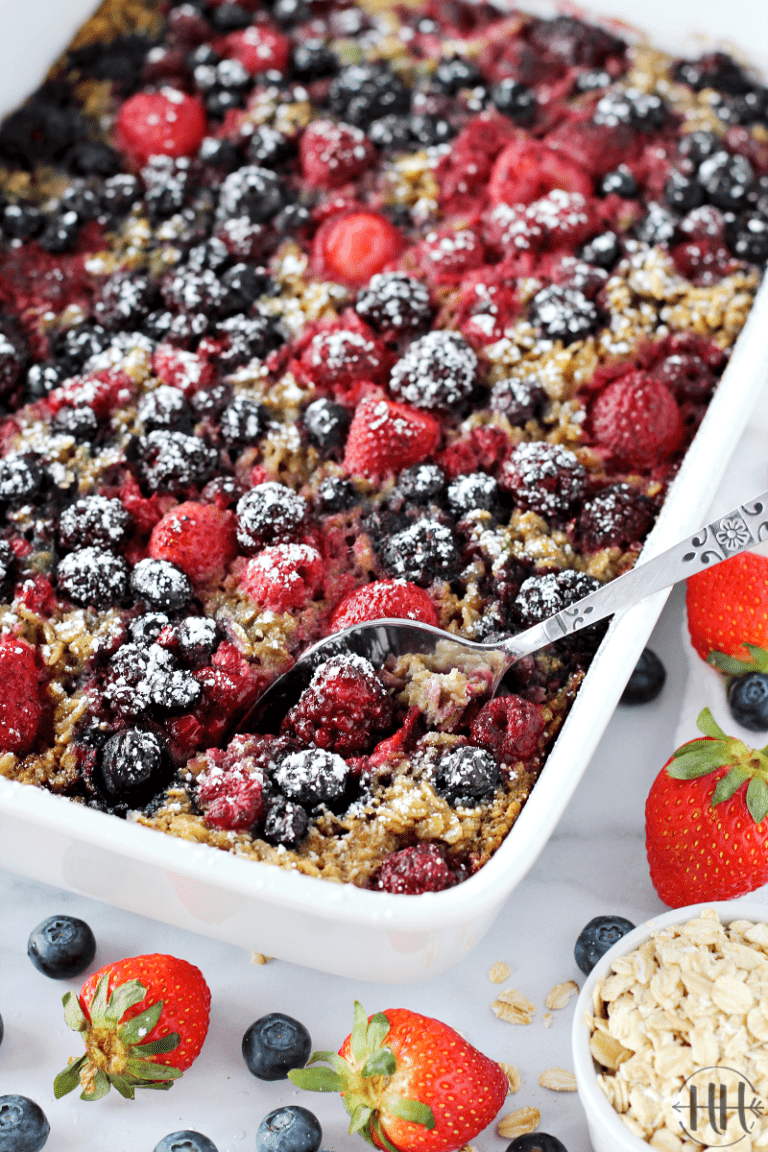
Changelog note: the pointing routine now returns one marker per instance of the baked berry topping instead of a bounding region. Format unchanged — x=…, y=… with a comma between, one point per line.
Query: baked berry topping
x=161, y=585
x=382, y=599
x=20, y=477
x=518, y=400
x=344, y=709
x=644, y=111
x=618, y=516
x=286, y=822
x=327, y=424
x=509, y=727
x=312, y=777
x=124, y=301
x=133, y=764
x=543, y=478
x=467, y=777
x=563, y=313
x=394, y=304
x=270, y=513
x=413, y=871
x=93, y=578
x=80, y=423
x=93, y=521
x=438, y=371
x=362, y=93
x=423, y=553
x=638, y=420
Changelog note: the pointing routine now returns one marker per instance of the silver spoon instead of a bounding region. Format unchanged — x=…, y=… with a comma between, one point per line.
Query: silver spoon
x=377, y=640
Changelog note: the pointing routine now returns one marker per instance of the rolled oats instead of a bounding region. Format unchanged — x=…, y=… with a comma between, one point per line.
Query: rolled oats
x=498, y=972
x=512, y=1074
x=558, y=1079
x=513, y=1007
x=519, y=1123
x=561, y=994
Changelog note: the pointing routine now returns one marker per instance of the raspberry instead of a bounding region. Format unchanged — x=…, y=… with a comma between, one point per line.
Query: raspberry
x=198, y=538
x=344, y=709
x=20, y=706
x=394, y=304
x=509, y=727
x=93, y=578
x=412, y=871
x=527, y=170
x=333, y=154
x=385, y=437
x=423, y=553
x=543, y=478
x=258, y=48
x=618, y=516
x=438, y=371
x=168, y=122
x=354, y=246
x=285, y=577
x=574, y=42
x=398, y=599
x=93, y=521
x=270, y=513
x=102, y=392
x=339, y=358
x=637, y=419
x=183, y=370
x=446, y=255
x=232, y=798
x=467, y=777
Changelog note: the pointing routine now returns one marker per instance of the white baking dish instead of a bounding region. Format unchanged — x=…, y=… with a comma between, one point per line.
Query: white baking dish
x=340, y=928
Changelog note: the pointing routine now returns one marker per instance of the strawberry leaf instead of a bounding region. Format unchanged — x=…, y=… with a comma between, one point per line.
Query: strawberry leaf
x=728, y=785
x=74, y=1016
x=757, y=799
x=98, y=1005
x=360, y=1118
x=378, y=1030
x=123, y=998
x=69, y=1078
x=697, y=762
x=357, y=1039
x=123, y=1086
x=317, y=1079
x=138, y=1027
x=331, y=1058
x=759, y=657
x=380, y=1063
x=384, y=1142
x=413, y=1111
x=706, y=723
x=727, y=664
x=159, y=1047
x=146, y=1070
x=100, y=1087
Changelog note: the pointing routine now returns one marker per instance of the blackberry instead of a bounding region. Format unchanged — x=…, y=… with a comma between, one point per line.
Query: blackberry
x=124, y=301
x=727, y=180
x=80, y=423
x=165, y=408
x=230, y=17
x=120, y=61
x=646, y=681
x=591, y=81
x=92, y=158
x=620, y=182
x=394, y=303
x=467, y=777
x=270, y=513
x=658, y=226
x=544, y=478
x=472, y=491
x=210, y=254
x=312, y=59
x=518, y=400
x=13, y=355
x=161, y=585
x=77, y=345
x=714, y=70
x=422, y=483
x=21, y=477
x=267, y=147
x=437, y=371
x=603, y=251
x=220, y=101
x=455, y=73
x=253, y=192
x=194, y=292
x=172, y=461
x=288, y=13
x=362, y=93
x=423, y=553
x=695, y=147
x=219, y=153
x=563, y=313
x=39, y=133
x=515, y=100
x=748, y=237
x=41, y=378
x=79, y=198
x=133, y=765
x=643, y=111
x=179, y=329
x=393, y=132
x=286, y=823
x=574, y=42
x=427, y=131
x=7, y=566
x=144, y=630
x=243, y=422
x=93, y=578
x=93, y=521
x=120, y=193
x=292, y=219
x=543, y=596
x=167, y=185
x=683, y=193
x=335, y=495
x=247, y=337
x=60, y=232
x=22, y=221
x=198, y=638
x=597, y=937
x=312, y=777
x=749, y=108
x=233, y=76
x=615, y=518
x=211, y=402
x=327, y=424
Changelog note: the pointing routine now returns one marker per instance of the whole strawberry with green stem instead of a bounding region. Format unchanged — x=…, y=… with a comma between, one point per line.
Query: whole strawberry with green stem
x=706, y=820
x=143, y=1021
x=409, y=1082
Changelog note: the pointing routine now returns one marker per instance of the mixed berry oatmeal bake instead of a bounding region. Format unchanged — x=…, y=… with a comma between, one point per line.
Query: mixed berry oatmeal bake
x=315, y=313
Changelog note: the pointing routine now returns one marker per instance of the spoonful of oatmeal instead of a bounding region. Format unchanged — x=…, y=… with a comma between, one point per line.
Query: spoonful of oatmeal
x=413, y=650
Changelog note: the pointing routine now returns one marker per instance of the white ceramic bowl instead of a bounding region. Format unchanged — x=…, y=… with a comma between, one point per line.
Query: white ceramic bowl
x=606, y=1130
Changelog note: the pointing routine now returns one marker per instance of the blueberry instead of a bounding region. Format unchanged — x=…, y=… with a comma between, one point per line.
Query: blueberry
x=647, y=680
x=2, y=1030
x=467, y=777
x=312, y=59
x=334, y=495
x=362, y=93
x=23, y=1125
x=61, y=947
x=286, y=823
x=161, y=585
x=536, y=1142
x=275, y=1044
x=515, y=100
x=327, y=424
x=597, y=937
x=230, y=18
x=218, y=153
x=289, y=1129
x=456, y=73
x=186, y=1141
x=132, y=762
x=683, y=192
x=60, y=233
x=621, y=181
x=748, y=701
x=603, y=251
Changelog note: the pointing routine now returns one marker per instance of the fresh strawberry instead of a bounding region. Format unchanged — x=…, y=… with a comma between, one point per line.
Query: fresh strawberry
x=20, y=707
x=198, y=538
x=167, y=122
x=143, y=1020
x=409, y=1082
x=706, y=820
x=333, y=154
x=396, y=599
x=728, y=606
x=638, y=420
x=259, y=48
x=354, y=245
x=386, y=436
